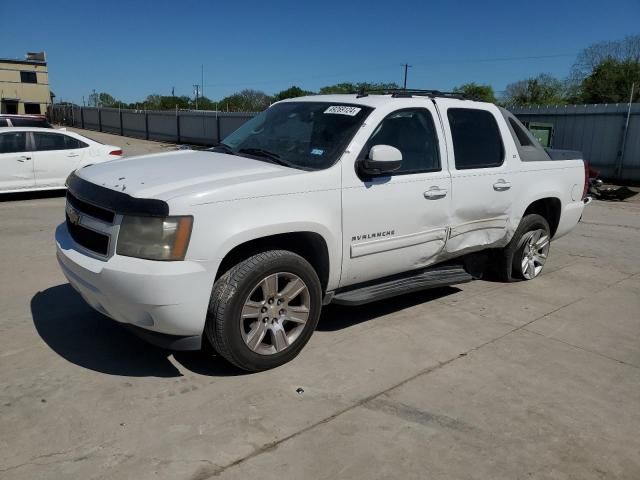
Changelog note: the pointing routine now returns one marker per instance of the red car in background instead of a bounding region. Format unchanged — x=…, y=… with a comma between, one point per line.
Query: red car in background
x=40, y=121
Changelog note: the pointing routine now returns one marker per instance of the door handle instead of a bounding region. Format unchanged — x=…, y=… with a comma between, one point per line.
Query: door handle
x=23, y=158
x=501, y=185
x=435, y=193
x=73, y=155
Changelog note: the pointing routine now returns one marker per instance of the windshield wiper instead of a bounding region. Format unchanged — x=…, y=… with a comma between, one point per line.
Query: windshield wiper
x=261, y=152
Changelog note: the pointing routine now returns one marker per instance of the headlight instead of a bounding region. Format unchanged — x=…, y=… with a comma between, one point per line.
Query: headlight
x=154, y=238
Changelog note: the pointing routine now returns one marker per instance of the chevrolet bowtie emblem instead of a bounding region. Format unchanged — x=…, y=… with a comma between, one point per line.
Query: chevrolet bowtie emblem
x=73, y=214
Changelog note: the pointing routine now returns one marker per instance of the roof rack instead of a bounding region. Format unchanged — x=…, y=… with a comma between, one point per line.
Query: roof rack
x=410, y=92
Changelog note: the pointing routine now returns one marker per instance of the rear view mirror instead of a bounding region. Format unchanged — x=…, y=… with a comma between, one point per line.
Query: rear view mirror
x=381, y=159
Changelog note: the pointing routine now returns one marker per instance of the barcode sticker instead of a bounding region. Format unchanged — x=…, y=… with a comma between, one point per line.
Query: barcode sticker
x=343, y=110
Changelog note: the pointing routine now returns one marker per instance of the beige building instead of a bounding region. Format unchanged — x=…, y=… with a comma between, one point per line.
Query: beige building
x=24, y=85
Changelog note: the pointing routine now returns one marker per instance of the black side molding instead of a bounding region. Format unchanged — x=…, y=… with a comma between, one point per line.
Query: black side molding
x=118, y=202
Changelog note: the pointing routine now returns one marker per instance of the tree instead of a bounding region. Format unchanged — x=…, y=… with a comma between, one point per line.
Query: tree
x=152, y=102
x=541, y=90
x=102, y=99
x=291, y=92
x=591, y=57
x=477, y=91
x=246, y=101
x=205, y=103
x=348, y=87
x=163, y=102
x=170, y=102
x=610, y=82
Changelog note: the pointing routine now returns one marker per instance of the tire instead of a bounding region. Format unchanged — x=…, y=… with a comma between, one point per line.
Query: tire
x=245, y=320
x=531, y=242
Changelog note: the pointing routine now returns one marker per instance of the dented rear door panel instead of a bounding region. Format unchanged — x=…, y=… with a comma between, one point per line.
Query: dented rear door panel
x=482, y=198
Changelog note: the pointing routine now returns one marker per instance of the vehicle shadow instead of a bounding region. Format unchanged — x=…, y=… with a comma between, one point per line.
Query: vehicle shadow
x=78, y=333
x=337, y=317
x=18, y=196
x=84, y=337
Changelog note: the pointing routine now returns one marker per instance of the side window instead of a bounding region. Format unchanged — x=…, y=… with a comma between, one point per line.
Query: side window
x=71, y=143
x=477, y=142
x=13, y=142
x=49, y=141
x=411, y=131
x=523, y=138
x=4, y=122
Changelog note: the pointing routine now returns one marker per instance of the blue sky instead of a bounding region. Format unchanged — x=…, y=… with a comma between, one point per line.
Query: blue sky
x=130, y=49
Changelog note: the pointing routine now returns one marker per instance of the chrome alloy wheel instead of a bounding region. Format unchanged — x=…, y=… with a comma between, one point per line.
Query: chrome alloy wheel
x=534, y=253
x=275, y=313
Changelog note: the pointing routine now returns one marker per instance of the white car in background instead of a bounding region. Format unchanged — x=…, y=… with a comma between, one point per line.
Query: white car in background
x=42, y=158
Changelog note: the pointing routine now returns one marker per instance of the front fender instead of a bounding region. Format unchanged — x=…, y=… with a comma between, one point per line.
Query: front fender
x=220, y=227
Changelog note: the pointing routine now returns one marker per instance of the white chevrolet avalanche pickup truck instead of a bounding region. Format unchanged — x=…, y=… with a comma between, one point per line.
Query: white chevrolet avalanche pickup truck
x=338, y=198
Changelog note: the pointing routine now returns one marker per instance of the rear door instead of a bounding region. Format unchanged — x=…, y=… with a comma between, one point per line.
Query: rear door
x=55, y=156
x=396, y=222
x=482, y=179
x=16, y=162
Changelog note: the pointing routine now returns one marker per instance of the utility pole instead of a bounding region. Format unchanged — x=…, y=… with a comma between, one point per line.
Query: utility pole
x=197, y=91
x=624, y=136
x=406, y=67
x=202, y=78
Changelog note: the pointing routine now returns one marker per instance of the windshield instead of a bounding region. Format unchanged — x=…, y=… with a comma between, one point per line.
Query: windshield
x=305, y=135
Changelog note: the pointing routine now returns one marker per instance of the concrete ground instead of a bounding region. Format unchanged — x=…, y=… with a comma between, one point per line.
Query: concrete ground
x=535, y=380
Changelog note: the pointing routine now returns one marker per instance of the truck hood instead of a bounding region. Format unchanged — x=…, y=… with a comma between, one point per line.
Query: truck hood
x=166, y=175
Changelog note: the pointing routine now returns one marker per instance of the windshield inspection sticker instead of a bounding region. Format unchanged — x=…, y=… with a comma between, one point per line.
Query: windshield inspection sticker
x=317, y=151
x=343, y=110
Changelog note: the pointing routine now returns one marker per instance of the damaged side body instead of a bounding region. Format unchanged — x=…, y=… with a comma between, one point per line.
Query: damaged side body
x=462, y=204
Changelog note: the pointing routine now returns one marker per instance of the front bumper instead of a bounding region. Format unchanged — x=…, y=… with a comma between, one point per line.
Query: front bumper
x=159, y=300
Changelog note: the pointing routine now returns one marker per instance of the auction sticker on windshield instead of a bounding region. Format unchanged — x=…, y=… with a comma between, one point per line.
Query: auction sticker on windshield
x=343, y=110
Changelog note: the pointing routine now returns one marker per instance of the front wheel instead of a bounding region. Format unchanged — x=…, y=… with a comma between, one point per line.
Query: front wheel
x=264, y=310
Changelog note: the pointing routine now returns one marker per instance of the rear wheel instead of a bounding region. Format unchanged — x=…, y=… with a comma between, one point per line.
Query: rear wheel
x=264, y=310
x=532, y=254
x=527, y=252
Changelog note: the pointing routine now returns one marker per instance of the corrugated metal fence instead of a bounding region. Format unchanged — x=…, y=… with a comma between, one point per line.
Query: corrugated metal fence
x=177, y=126
x=598, y=131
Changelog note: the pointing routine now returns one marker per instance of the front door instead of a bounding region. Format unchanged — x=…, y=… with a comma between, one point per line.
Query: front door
x=397, y=222
x=55, y=156
x=16, y=162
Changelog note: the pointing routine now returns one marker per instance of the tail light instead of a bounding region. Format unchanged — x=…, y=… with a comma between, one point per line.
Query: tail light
x=585, y=190
x=115, y=152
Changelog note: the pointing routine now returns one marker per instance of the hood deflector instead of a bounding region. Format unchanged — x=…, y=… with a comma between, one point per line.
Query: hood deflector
x=118, y=202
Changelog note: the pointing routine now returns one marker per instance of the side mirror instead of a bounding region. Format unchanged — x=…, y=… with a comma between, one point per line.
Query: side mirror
x=381, y=159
